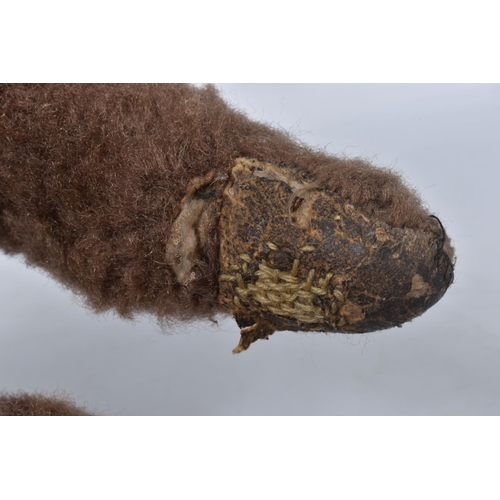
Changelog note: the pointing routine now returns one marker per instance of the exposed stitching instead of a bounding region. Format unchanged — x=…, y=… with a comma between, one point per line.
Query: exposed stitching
x=283, y=293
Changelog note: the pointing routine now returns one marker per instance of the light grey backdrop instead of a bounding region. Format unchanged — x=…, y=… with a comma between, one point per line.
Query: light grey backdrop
x=445, y=140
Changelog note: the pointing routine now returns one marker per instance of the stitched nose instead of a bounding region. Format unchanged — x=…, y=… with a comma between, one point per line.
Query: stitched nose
x=321, y=264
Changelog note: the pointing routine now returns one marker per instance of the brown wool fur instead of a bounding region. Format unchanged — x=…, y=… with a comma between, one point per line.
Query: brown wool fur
x=92, y=178
x=24, y=405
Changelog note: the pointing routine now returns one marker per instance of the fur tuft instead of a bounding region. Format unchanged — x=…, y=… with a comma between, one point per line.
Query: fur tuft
x=23, y=405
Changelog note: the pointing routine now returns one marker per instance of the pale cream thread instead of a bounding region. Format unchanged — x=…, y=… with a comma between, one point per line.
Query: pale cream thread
x=226, y=277
x=338, y=295
x=281, y=292
x=323, y=283
x=308, y=248
x=246, y=258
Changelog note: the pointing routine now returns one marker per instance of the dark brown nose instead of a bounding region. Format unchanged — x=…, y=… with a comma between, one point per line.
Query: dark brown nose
x=321, y=264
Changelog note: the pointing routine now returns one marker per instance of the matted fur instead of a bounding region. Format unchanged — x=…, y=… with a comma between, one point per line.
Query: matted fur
x=23, y=405
x=92, y=178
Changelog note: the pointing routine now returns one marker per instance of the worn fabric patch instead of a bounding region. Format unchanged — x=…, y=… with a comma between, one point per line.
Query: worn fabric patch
x=297, y=257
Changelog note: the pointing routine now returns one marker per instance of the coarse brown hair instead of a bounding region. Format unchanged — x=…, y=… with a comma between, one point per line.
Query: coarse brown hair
x=92, y=178
x=22, y=404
